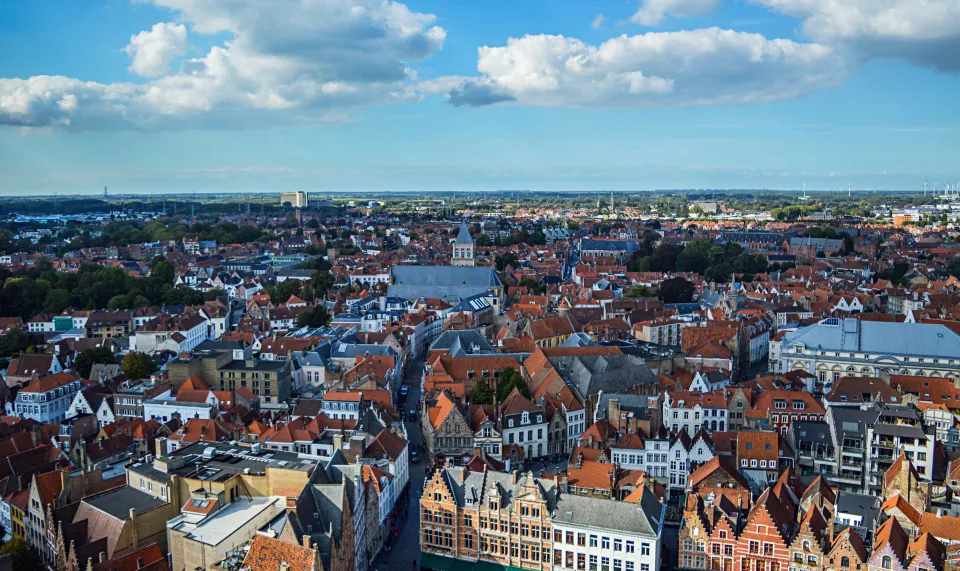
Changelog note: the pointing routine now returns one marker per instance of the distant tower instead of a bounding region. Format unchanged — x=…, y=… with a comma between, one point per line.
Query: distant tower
x=850, y=190
x=104, y=194
x=463, y=248
x=924, y=189
x=611, y=201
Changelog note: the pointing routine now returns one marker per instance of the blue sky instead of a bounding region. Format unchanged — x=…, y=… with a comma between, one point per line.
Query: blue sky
x=214, y=95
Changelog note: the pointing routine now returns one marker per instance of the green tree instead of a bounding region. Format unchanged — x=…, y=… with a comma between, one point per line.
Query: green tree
x=15, y=341
x=316, y=317
x=502, y=261
x=640, y=290
x=163, y=272
x=56, y=301
x=22, y=556
x=511, y=379
x=675, y=290
x=481, y=393
x=89, y=357
x=137, y=365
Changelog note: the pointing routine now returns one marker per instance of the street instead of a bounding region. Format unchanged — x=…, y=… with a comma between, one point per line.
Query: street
x=405, y=549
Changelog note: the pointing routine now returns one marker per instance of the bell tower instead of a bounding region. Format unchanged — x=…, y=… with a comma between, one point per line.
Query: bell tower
x=463, y=254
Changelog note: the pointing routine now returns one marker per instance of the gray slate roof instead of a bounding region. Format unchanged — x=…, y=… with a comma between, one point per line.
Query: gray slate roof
x=877, y=338
x=463, y=237
x=591, y=374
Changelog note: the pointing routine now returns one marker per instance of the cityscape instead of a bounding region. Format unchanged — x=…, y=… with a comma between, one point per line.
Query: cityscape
x=407, y=285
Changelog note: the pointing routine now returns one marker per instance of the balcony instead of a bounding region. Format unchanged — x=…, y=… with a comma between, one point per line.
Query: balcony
x=880, y=442
x=847, y=478
x=881, y=454
x=854, y=450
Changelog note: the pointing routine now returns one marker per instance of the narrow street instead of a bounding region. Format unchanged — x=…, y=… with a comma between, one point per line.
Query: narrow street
x=404, y=550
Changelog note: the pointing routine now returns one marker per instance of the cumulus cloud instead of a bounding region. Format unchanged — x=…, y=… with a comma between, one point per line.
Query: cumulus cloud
x=698, y=67
x=924, y=32
x=654, y=12
x=153, y=50
x=283, y=61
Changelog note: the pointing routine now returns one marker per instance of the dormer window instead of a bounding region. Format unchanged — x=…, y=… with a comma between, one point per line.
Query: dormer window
x=526, y=417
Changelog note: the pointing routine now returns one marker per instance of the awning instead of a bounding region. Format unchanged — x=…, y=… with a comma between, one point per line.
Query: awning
x=436, y=562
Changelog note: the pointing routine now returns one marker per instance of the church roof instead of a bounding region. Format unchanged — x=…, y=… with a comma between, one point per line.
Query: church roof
x=463, y=237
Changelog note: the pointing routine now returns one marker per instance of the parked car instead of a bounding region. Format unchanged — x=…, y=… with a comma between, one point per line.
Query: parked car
x=404, y=389
x=414, y=457
x=412, y=415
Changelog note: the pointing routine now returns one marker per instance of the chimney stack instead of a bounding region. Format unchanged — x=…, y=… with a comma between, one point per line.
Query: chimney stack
x=103, y=556
x=306, y=542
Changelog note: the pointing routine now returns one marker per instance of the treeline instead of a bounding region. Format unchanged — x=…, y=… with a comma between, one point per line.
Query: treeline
x=125, y=233
x=715, y=262
x=44, y=289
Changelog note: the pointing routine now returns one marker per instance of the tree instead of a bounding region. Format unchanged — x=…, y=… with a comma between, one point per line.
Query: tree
x=675, y=290
x=15, y=341
x=163, y=272
x=481, y=393
x=316, y=317
x=22, y=556
x=56, y=301
x=640, y=290
x=137, y=365
x=89, y=357
x=507, y=259
x=510, y=379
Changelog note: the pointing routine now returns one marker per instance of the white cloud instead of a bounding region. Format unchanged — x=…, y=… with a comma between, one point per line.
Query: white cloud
x=698, y=67
x=598, y=22
x=653, y=12
x=153, y=50
x=318, y=59
x=925, y=32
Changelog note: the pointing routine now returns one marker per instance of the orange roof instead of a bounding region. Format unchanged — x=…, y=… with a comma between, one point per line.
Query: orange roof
x=268, y=554
x=440, y=411
x=897, y=501
x=49, y=485
x=757, y=445
x=49, y=383
x=596, y=475
x=945, y=528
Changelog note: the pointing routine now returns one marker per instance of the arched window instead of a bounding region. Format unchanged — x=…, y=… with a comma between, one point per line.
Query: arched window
x=886, y=562
x=844, y=562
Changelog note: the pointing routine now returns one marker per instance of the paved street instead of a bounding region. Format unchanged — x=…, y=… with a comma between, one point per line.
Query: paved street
x=405, y=549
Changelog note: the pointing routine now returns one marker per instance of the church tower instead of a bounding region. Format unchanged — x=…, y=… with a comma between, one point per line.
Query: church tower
x=463, y=248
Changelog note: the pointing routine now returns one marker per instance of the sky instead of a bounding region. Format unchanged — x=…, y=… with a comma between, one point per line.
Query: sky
x=159, y=96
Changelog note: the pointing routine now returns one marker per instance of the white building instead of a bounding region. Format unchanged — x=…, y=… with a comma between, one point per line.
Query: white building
x=165, y=333
x=524, y=425
x=600, y=534
x=163, y=407
x=46, y=399
x=835, y=348
x=691, y=411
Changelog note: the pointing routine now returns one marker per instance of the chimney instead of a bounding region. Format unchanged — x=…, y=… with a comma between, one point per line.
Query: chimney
x=103, y=556
x=133, y=527
x=306, y=542
x=140, y=562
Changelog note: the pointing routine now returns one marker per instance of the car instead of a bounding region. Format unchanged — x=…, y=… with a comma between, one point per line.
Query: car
x=412, y=415
x=404, y=389
x=414, y=457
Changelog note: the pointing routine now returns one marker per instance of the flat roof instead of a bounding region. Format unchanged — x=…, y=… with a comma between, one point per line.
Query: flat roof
x=228, y=460
x=117, y=502
x=225, y=522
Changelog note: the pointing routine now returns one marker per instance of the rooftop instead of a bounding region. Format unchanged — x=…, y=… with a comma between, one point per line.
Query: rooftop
x=214, y=529
x=119, y=501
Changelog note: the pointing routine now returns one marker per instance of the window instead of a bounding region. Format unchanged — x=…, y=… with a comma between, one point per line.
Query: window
x=593, y=541
x=582, y=539
x=605, y=542
x=618, y=545
x=569, y=540
x=629, y=546
x=886, y=562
